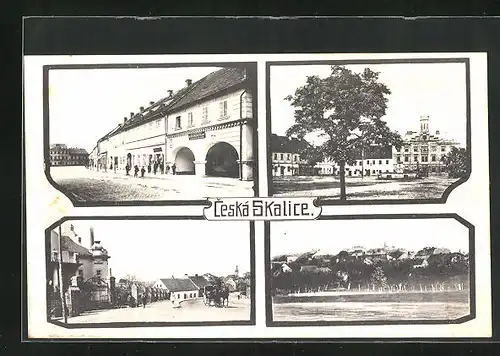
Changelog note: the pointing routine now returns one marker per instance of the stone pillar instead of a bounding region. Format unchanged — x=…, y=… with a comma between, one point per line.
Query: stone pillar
x=200, y=168
x=246, y=170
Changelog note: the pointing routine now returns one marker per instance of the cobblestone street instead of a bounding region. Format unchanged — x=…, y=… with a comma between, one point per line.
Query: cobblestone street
x=163, y=311
x=362, y=189
x=91, y=186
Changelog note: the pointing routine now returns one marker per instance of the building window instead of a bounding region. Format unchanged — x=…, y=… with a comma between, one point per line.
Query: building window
x=185, y=296
x=281, y=156
x=433, y=148
x=386, y=161
x=433, y=158
x=379, y=161
x=289, y=169
x=79, y=240
x=178, y=123
x=190, y=120
x=223, y=109
x=424, y=158
x=407, y=158
x=288, y=157
x=415, y=158
x=415, y=149
x=443, y=148
x=373, y=162
x=205, y=114
x=275, y=156
x=406, y=149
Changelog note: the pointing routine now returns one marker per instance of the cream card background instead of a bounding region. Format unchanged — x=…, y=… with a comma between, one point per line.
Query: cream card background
x=45, y=205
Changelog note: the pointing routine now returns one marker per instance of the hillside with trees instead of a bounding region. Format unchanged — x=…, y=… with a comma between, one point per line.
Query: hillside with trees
x=382, y=269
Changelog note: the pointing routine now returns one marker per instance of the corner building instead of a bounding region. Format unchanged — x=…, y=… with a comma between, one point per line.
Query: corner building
x=210, y=129
x=204, y=129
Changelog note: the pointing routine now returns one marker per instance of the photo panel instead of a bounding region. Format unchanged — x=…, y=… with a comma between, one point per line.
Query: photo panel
x=151, y=134
x=370, y=270
x=369, y=131
x=114, y=273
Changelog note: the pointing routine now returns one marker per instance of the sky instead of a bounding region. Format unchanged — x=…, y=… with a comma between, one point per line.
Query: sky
x=153, y=249
x=333, y=236
x=417, y=89
x=85, y=104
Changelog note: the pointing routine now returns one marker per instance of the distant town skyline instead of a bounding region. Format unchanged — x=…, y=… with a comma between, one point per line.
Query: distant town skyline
x=86, y=104
x=333, y=236
x=153, y=249
x=437, y=90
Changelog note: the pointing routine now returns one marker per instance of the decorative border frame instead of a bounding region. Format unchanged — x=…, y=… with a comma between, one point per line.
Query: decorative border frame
x=251, y=321
x=325, y=200
x=472, y=296
x=252, y=66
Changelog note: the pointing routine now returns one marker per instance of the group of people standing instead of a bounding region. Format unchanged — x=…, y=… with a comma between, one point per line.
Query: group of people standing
x=156, y=168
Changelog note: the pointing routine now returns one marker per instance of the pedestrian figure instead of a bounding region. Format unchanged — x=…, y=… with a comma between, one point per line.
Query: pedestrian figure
x=136, y=170
x=149, y=168
x=127, y=169
x=142, y=172
x=173, y=169
x=155, y=168
x=162, y=168
x=144, y=300
x=167, y=168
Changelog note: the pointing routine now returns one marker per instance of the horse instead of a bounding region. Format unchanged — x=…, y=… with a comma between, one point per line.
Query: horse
x=224, y=296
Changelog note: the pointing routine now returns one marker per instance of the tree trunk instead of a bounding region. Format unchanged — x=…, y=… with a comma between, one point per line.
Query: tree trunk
x=342, y=180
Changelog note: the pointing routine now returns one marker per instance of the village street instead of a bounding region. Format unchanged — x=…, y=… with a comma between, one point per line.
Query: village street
x=362, y=189
x=91, y=186
x=164, y=311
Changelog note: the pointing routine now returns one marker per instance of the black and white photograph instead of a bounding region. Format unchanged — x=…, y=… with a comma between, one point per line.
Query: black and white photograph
x=138, y=273
x=150, y=133
x=378, y=271
x=369, y=131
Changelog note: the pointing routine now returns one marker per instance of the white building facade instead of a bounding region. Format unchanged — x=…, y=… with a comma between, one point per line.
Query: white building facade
x=204, y=129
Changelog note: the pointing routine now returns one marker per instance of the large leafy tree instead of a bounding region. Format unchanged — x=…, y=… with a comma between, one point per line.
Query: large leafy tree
x=345, y=109
x=457, y=162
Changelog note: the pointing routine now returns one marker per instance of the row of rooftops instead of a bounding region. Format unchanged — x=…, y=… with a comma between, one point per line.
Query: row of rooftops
x=65, y=148
x=393, y=251
x=211, y=85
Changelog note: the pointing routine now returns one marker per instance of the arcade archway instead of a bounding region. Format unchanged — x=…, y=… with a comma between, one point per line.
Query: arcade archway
x=184, y=161
x=222, y=161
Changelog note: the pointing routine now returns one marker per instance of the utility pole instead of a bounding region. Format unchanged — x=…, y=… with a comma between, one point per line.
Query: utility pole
x=61, y=289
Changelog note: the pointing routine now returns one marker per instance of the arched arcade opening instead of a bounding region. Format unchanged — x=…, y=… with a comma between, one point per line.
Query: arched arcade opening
x=184, y=161
x=222, y=161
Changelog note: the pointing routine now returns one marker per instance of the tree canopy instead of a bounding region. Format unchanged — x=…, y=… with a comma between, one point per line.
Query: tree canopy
x=345, y=109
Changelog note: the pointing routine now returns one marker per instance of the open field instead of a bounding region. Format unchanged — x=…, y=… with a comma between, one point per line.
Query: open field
x=362, y=189
x=372, y=306
x=403, y=297
x=357, y=311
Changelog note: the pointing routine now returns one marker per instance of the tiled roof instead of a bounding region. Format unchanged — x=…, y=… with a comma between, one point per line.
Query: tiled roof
x=67, y=244
x=178, y=284
x=199, y=281
x=211, y=84
x=287, y=145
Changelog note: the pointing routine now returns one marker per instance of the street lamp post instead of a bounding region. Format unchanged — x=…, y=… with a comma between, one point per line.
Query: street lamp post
x=61, y=289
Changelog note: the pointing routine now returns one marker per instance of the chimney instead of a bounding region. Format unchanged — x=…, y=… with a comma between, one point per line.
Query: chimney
x=170, y=92
x=125, y=119
x=141, y=108
x=91, y=236
x=188, y=82
x=131, y=115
